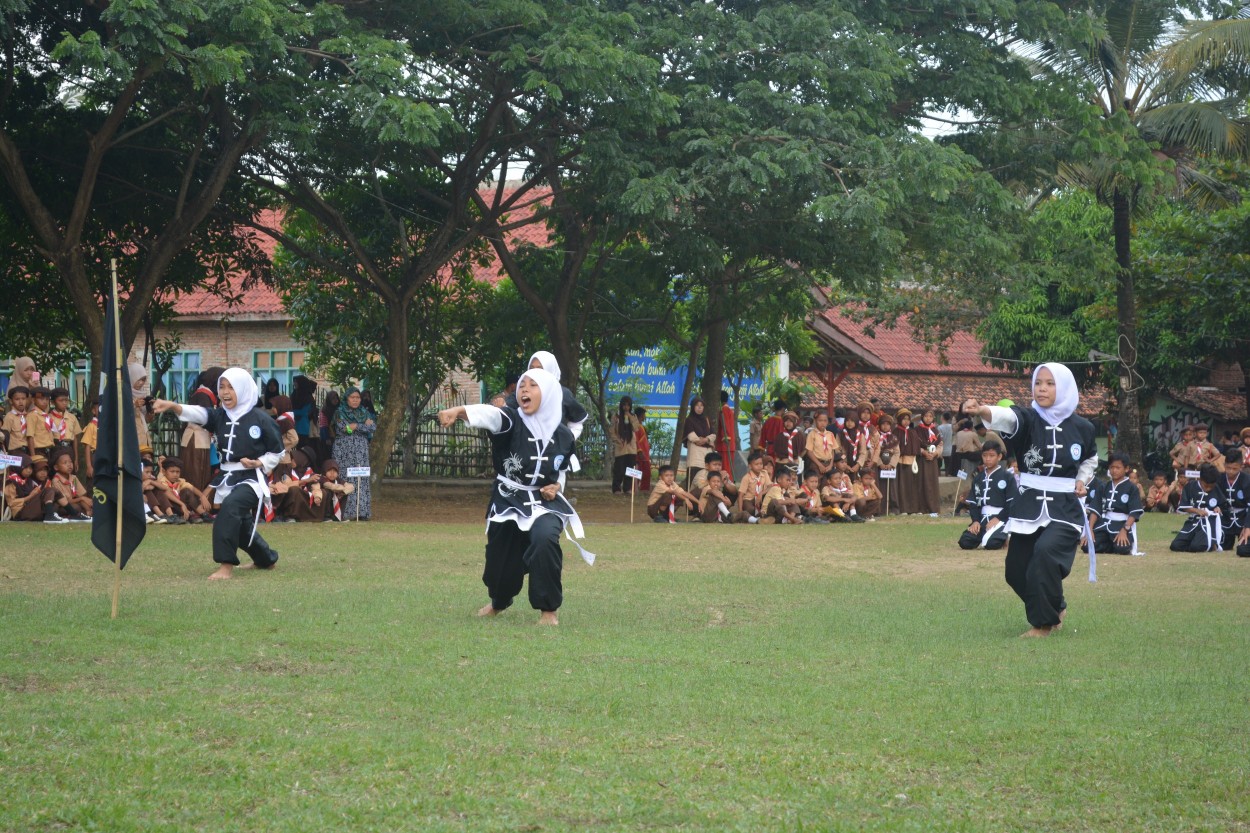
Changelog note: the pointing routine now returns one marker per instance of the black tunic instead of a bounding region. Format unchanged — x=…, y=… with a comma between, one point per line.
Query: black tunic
x=1123, y=498
x=1237, y=494
x=522, y=460
x=1048, y=451
x=253, y=436
x=1194, y=497
x=993, y=490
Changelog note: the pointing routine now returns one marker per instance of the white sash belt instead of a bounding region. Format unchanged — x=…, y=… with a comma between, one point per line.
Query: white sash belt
x=574, y=521
x=987, y=511
x=1048, y=484
x=1116, y=516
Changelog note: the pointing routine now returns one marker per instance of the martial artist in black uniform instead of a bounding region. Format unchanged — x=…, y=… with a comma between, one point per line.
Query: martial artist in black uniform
x=1236, y=486
x=989, y=505
x=527, y=512
x=1057, y=456
x=1115, y=507
x=250, y=446
x=1203, y=503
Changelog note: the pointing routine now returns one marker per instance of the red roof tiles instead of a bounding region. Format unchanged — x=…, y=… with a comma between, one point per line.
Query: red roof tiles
x=895, y=348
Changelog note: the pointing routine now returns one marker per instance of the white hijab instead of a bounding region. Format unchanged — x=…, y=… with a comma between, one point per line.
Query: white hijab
x=138, y=378
x=1066, y=395
x=245, y=392
x=548, y=361
x=542, y=423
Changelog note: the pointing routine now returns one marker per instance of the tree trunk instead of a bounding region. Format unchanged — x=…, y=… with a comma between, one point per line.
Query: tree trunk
x=717, y=338
x=1245, y=372
x=679, y=439
x=1129, y=439
x=399, y=382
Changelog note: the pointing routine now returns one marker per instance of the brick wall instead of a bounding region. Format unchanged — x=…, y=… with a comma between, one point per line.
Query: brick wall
x=231, y=343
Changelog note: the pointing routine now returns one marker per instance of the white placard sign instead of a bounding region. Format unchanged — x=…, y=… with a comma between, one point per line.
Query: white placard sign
x=961, y=474
x=358, y=471
x=634, y=473
x=10, y=462
x=1193, y=474
x=888, y=474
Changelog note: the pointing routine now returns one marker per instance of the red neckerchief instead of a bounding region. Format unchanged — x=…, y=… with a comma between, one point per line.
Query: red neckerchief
x=21, y=416
x=73, y=487
x=811, y=498
x=17, y=478
x=865, y=431
x=672, y=518
x=1245, y=455
x=95, y=421
x=933, y=435
x=906, y=434
x=790, y=442
x=851, y=441
x=824, y=438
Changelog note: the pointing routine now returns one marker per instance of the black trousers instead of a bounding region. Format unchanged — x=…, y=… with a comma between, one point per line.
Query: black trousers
x=1036, y=566
x=511, y=553
x=1193, y=538
x=619, y=480
x=233, y=528
x=1232, y=531
x=1104, y=542
x=997, y=541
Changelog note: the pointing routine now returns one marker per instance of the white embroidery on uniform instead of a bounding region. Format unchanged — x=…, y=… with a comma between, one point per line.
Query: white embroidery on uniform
x=1033, y=459
x=511, y=468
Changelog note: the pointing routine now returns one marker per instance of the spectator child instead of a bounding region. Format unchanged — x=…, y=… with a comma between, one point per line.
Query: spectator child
x=62, y=424
x=23, y=498
x=715, y=506
x=643, y=459
x=1236, y=487
x=37, y=421
x=624, y=430
x=190, y=501
x=662, y=502
x=713, y=462
x=754, y=485
x=1177, y=492
x=1185, y=454
x=334, y=492
x=782, y=502
x=788, y=445
x=868, y=496
x=65, y=495
x=17, y=422
x=820, y=446
x=1157, y=494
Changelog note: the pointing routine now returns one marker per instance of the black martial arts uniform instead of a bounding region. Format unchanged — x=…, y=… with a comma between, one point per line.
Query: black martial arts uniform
x=1237, y=493
x=993, y=492
x=241, y=491
x=1114, y=504
x=1046, y=518
x=1201, y=533
x=523, y=529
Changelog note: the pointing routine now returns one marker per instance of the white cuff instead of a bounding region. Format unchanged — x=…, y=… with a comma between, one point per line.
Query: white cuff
x=1003, y=420
x=270, y=461
x=1086, y=471
x=194, y=414
x=576, y=428
x=484, y=416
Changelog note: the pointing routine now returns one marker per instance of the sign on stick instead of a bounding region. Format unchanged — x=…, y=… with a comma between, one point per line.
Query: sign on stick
x=358, y=471
x=634, y=473
x=888, y=474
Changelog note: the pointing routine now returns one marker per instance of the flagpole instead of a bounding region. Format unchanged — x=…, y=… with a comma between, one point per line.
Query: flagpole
x=121, y=457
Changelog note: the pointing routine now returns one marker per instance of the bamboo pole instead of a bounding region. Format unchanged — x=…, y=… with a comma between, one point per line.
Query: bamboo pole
x=121, y=451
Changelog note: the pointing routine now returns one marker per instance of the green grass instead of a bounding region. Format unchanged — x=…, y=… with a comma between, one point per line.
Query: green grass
x=813, y=678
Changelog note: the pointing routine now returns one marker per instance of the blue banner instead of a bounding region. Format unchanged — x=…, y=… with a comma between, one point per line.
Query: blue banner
x=658, y=388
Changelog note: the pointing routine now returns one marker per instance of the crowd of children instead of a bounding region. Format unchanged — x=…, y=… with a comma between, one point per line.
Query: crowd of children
x=53, y=448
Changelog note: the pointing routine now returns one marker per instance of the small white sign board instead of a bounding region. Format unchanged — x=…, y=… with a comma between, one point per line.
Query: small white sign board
x=358, y=471
x=961, y=474
x=9, y=461
x=1193, y=474
x=888, y=474
x=634, y=473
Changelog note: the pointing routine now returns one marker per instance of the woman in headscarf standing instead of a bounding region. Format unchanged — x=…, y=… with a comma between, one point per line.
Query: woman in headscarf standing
x=1057, y=457
x=353, y=429
x=251, y=447
x=700, y=438
x=907, y=482
x=527, y=511
x=139, y=393
x=624, y=432
x=197, y=440
x=24, y=373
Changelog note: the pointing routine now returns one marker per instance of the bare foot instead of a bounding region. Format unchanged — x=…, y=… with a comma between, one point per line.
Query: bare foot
x=252, y=566
x=1062, y=614
x=548, y=617
x=1033, y=633
x=224, y=571
x=488, y=610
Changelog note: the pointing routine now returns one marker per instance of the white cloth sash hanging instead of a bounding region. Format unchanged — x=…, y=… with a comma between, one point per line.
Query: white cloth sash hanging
x=572, y=521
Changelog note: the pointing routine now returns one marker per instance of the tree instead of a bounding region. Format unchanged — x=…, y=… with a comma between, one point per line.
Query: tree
x=123, y=125
x=1158, y=115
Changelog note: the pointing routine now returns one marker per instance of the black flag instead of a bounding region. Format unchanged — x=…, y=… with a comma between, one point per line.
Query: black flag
x=110, y=508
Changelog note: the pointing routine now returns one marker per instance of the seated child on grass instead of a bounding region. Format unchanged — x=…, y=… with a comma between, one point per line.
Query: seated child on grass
x=1157, y=494
x=754, y=485
x=662, y=503
x=23, y=496
x=993, y=491
x=782, y=503
x=715, y=505
x=813, y=508
x=714, y=462
x=1114, y=509
x=160, y=508
x=868, y=497
x=334, y=492
x=1202, y=503
x=188, y=500
x=65, y=495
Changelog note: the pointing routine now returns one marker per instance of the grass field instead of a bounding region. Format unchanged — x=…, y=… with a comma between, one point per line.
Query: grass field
x=702, y=678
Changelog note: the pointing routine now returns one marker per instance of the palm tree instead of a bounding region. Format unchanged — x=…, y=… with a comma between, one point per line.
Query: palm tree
x=1163, y=106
